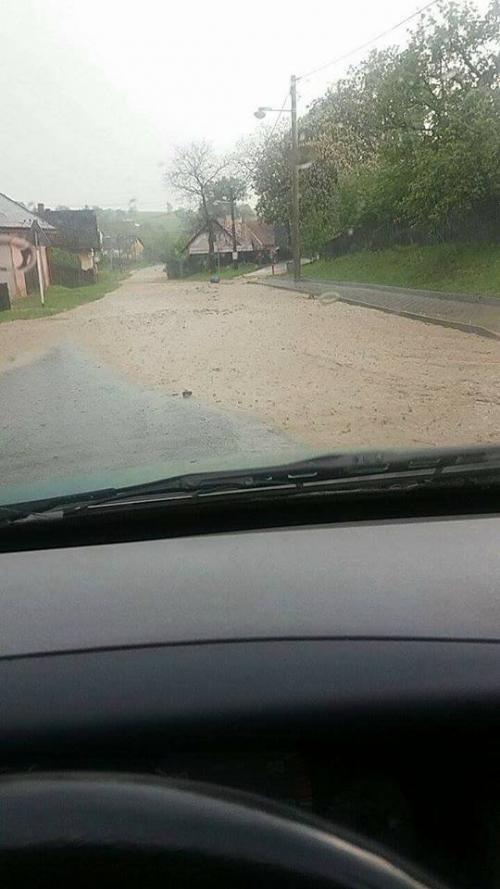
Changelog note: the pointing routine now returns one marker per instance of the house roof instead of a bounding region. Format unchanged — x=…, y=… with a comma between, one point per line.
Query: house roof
x=262, y=232
x=75, y=229
x=250, y=235
x=120, y=241
x=201, y=235
x=15, y=215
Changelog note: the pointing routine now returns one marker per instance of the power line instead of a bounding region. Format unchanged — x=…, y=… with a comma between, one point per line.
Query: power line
x=362, y=46
x=347, y=55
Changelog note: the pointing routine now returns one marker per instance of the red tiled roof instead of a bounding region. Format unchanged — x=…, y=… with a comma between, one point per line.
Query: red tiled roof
x=262, y=231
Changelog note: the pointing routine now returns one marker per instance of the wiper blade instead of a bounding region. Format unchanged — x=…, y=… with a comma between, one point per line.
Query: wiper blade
x=346, y=472
x=38, y=508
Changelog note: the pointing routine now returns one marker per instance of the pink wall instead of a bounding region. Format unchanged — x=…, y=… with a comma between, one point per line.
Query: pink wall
x=17, y=285
x=11, y=259
x=18, y=276
x=45, y=266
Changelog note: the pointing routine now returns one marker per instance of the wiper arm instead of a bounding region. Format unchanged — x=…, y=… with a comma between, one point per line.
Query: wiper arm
x=189, y=484
x=336, y=473
x=38, y=508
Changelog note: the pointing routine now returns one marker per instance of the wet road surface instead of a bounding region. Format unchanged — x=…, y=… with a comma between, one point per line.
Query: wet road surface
x=65, y=415
x=275, y=376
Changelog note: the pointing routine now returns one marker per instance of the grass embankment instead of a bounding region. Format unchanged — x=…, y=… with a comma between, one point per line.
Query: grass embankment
x=61, y=299
x=226, y=272
x=452, y=268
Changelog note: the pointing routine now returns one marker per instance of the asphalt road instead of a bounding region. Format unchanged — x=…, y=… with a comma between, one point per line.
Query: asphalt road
x=65, y=416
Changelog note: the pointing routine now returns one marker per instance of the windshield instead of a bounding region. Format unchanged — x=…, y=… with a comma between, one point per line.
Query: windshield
x=240, y=237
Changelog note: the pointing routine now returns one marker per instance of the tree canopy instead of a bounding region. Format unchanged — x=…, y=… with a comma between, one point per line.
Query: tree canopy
x=410, y=138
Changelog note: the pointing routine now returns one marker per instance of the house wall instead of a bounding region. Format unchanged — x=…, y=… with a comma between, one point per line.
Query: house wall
x=19, y=279
x=45, y=266
x=86, y=258
x=11, y=258
x=222, y=244
x=7, y=275
x=136, y=251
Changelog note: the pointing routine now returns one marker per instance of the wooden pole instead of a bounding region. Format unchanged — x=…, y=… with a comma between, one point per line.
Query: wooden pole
x=39, y=267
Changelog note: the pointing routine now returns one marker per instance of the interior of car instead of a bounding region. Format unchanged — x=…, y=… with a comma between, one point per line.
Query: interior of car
x=300, y=703
x=250, y=444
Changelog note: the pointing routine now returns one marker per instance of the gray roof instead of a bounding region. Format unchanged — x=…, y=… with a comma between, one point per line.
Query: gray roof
x=75, y=229
x=14, y=215
x=250, y=235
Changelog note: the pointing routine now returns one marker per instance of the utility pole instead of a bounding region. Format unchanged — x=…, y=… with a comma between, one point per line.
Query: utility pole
x=39, y=267
x=233, y=229
x=294, y=170
x=295, y=181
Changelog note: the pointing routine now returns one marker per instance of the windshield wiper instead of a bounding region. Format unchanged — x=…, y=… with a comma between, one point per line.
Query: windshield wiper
x=335, y=473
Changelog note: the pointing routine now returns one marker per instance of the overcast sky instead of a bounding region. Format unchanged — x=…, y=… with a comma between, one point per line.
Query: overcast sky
x=96, y=93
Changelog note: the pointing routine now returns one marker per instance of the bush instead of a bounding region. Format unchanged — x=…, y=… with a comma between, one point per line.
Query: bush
x=61, y=257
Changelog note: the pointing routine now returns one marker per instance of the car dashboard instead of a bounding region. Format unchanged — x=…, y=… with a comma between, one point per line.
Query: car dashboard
x=349, y=671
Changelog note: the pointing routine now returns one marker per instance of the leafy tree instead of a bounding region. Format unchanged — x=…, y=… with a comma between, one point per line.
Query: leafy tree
x=410, y=138
x=160, y=233
x=267, y=162
x=230, y=188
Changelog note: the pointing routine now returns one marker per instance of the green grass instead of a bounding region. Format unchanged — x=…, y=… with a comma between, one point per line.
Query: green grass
x=61, y=299
x=226, y=272
x=459, y=268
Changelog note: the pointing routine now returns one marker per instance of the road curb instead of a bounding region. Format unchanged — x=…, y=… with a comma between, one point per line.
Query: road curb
x=317, y=288
x=470, y=298
x=429, y=319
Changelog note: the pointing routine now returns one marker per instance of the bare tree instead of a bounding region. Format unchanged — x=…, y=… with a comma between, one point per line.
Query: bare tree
x=193, y=173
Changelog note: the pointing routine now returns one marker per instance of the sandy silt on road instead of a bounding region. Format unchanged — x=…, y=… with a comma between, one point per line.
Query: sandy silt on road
x=331, y=375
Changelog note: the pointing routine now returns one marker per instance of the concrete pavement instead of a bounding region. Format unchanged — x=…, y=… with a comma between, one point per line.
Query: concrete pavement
x=477, y=314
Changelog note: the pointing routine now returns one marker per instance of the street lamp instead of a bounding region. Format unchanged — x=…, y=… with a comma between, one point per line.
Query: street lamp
x=263, y=109
x=294, y=172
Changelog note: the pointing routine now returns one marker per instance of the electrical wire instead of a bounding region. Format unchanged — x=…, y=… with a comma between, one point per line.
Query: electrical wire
x=347, y=55
x=362, y=46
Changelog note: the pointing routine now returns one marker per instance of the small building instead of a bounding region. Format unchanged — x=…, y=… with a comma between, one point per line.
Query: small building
x=76, y=232
x=135, y=250
x=255, y=242
x=125, y=247
x=263, y=237
x=17, y=222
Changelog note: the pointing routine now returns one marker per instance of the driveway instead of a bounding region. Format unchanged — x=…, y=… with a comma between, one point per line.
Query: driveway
x=271, y=373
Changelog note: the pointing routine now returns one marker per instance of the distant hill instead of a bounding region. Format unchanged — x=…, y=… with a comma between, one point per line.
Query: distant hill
x=159, y=231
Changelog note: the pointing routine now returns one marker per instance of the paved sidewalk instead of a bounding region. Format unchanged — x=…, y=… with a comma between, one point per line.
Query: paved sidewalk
x=266, y=271
x=477, y=314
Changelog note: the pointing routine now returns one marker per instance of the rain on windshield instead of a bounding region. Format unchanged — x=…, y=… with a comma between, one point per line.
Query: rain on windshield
x=233, y=238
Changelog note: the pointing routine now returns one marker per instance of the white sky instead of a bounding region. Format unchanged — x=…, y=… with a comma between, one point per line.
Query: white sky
x=95, y=93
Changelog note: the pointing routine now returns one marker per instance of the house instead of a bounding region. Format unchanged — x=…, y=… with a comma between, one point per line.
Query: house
x=135, y=250
x=17, y=222
x=263, y=237
x=123, y=247
x=255, y=242
x=76, y=232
